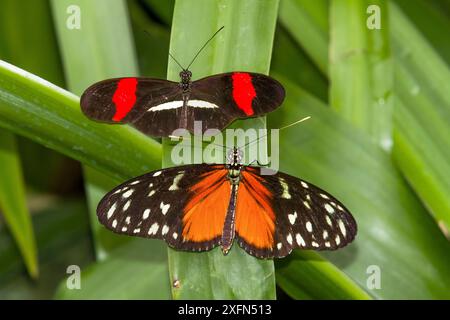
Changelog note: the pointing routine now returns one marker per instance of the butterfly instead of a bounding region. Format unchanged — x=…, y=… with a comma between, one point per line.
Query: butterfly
x=201, y=206
x=157, y=107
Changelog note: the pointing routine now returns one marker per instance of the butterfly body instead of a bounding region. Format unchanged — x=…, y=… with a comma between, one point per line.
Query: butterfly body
x=198, y=207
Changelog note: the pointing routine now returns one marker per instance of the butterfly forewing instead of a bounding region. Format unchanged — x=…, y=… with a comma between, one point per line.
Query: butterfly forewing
x=155, y=205
x=305, y=216
x=125, y=100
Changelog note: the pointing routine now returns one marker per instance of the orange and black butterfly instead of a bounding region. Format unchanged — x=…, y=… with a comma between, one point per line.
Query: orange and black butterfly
x=201, y=206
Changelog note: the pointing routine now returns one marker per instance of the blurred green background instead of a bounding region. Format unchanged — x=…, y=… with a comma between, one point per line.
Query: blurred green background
x=373, y=75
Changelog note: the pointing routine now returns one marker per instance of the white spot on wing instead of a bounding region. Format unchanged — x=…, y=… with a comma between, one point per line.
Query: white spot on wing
x=309, y=226
x=127, y=205
x=306, y=204
x=328, y=220
x=338, y=240
x=292, y=217
x=289, y=238
x=325, y=234
x=165, y=229
x=300, y=240
x=127, y=220
x=137, y=230
x=304, y=184
x=111, y=211
x=324, y=196
x=153, y=229
x=134, y=182
x=315, y=244
x=146, y=214
x=179, y=103
x=124, y=229
x=177, y=179
x=329, y=208
x=279, y=245
x=285, y=186
x=164, y=207
x=342, y=227
x=157, y=173
x=114, y=224
x=128, y=193
x=175, y=235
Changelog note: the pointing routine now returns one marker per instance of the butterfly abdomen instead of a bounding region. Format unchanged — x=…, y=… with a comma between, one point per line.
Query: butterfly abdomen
x=228, y=231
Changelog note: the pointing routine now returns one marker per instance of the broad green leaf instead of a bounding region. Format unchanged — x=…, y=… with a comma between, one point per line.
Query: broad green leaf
x=163, y=9
x=136, y=270
x=102, y=41
x=13, y=202
x=244, y=44
x=422, y=114
x=308, y=22
x=431, y=20
x=421, y=83
x=43, y=112
x=62, y=235
x=152, y=42
x=22, y=44
x=395, y=234
x=90, y=54
x=290, y=61
x=306, y=275
x=360, y=67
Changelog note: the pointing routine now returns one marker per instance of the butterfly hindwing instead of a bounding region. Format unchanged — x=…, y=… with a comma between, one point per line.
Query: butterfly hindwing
x=304, y=216
x=164, y=204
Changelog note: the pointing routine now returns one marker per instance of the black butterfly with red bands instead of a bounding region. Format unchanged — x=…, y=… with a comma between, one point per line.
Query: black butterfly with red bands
x=198, y=207
x=157, y=107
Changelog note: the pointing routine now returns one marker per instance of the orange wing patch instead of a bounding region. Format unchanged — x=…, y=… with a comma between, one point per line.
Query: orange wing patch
x=204, y=214
x=255, y=218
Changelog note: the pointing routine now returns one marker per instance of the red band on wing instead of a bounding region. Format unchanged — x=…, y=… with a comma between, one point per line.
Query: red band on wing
x=124, y=97
x=243, y=92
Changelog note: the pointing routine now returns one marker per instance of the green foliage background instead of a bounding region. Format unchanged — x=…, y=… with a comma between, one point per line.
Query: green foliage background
x=378, y=139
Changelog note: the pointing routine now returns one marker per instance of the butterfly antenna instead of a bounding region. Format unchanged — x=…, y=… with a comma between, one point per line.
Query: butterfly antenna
x=282, y=128
x=206, y=43
x=176, y=61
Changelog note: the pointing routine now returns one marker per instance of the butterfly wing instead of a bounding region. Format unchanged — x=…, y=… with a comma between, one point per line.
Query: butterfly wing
x=240, y=94
x=127, y=100
x=184, y=205
x=289, y=213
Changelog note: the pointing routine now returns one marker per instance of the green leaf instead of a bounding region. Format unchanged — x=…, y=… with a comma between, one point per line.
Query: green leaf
x=62, y=235
x=360, y=67
x=422, y=84
x=244, y=44
x=393, y=227
x=430, y=20
x=17, y=37
x=35, y=108
x=306, y=275
x=136, y=270
x=308, y=22
x=422, y=115
x=13, y=202
x=97, y=59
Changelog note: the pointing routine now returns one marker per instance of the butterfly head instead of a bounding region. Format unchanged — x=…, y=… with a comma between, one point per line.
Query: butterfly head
x=235, y=156
x=185, y=75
